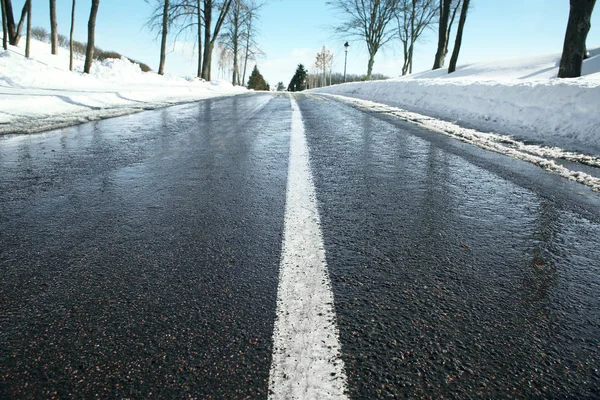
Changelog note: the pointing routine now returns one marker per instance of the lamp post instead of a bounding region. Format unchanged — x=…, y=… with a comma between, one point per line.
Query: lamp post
x=346, y=45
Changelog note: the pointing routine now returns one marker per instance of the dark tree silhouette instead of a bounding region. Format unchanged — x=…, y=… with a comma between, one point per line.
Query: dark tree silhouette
x=578, y=27
x=4, y=27
x=14, y=30
x=28, y=40
x=164, y=34
x=71, y=36
x=89, y=54
x=459, y=35
x=53, y=28
x=256, y=80
x=442, y=34
x=210, y=35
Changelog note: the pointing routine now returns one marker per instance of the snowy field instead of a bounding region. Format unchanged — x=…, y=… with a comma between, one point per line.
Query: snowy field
x=41, y=93
x=521, y=98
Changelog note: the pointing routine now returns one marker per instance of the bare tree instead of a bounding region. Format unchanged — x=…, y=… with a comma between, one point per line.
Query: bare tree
x=14, y=30
x=413, y=17
x=442, y=34
x=192, y=13
x=250, y=50
x=238, y=36
x=459, y=35
x=447, y=12
x=454, y=7
x=28, y=40
x=323, y=62
x=232, y=36
x=4, y=28
x=71, y=36
x=574, y=48
x=325, y=58
x=89, y=54
x=184, y=17
x=163, y=42
x=199, y=35
x=53, y=28
x=367, y=20
x=210, y=35
x=164, y=16
x=224, y=60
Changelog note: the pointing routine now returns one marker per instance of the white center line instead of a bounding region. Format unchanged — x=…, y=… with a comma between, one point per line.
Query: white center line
x=306, y=348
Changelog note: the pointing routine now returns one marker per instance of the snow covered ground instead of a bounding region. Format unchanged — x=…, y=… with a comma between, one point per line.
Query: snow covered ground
x=515, y=107
x=521, y=98
x=41, y=93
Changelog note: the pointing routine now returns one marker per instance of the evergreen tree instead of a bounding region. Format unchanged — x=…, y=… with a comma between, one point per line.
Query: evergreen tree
x=256, y=80
x=298, y=82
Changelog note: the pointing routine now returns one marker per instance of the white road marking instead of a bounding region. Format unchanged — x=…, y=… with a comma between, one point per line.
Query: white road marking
x=306, y=355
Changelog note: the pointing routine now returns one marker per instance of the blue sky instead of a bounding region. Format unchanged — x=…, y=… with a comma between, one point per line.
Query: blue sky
x=293, y=31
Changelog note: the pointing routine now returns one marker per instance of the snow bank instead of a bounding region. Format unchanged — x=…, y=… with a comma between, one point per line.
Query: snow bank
x=41, y=93
x=519, y=97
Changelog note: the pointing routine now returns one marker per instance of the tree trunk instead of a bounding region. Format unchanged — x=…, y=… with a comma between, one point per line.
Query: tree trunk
x=406, y=60
x=10, y=21
x=199, y=39
x=14, y=31
x=89, y=54
x=247, y=53
x=410, y=56
x=459, y=34
x=236, y=29
x=209, y=40
x=207, y=61
x=4, y=27
x=53, y=28
x=450, y=23
x=207, y=33
x=574, y=47
x=442, y=34
x=28, y=40
x=370, y=66
x=71, y=37
x=163, y=42
x=412, y=36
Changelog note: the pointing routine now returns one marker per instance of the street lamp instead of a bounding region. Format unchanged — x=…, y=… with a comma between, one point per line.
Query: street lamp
x=346, y=45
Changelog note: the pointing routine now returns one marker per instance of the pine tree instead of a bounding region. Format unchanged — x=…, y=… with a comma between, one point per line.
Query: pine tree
x=298, y=82
x=256, y=80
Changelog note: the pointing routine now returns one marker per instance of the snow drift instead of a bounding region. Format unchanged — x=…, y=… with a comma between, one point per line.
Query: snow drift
x=517, y=97
x=41, y=93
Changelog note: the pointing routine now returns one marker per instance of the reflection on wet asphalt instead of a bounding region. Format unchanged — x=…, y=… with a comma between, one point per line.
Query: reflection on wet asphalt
x=139, y=255
x=139, y=258
x=449, y=280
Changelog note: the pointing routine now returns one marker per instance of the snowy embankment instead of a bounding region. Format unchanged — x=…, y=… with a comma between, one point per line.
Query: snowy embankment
x=41, y=93
x=521, y=98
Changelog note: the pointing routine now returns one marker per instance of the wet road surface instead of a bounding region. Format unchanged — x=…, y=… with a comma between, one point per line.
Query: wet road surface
x=139, y=258
x=451, y=280
x=140, y=254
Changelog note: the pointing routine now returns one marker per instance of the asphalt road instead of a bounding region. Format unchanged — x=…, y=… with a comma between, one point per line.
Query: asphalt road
x=139, y=258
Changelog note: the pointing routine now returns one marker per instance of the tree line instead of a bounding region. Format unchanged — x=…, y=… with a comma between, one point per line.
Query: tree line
x=12, y=29
x=233, y=23
x=378, y=22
